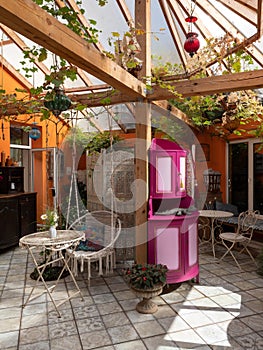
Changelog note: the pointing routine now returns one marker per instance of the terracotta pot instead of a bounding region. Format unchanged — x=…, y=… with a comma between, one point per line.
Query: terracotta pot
x=147, y=306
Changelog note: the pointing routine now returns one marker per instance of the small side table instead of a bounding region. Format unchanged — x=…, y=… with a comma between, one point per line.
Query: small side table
x=213, y=215
x=65, y=239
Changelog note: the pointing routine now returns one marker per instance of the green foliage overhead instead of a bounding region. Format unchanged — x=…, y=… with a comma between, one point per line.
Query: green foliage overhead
x=99, y=141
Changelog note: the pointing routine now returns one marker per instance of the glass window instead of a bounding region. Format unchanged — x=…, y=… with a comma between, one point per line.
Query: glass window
x=18, y=136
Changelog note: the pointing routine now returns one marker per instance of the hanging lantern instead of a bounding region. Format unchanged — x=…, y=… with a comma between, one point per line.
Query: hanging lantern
x=60, y=103
x=34, y=133
x=192, y=43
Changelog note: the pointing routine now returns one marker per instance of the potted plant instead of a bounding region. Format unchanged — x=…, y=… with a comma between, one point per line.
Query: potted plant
x=51, y=221
x=146, y=281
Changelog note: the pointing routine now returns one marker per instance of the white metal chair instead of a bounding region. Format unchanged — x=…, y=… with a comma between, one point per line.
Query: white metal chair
x=102, y=229
x=242, y=236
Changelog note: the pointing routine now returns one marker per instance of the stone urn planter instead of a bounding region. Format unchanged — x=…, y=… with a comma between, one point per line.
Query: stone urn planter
x=146, y=305
x=146, y=281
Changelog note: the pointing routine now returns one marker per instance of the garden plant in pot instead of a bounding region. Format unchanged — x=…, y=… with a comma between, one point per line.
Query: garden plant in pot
x=146, y=281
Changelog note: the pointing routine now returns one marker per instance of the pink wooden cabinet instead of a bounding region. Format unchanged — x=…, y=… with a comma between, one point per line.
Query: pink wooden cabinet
x=172, y=220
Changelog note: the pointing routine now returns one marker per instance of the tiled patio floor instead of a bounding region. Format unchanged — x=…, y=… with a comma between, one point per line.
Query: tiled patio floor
x=224, y=311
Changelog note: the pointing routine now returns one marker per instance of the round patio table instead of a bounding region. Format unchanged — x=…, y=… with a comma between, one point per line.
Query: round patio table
x=55, y=246
x=213, y=215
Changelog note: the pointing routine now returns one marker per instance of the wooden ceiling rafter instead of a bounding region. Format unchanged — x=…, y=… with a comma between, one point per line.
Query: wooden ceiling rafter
x=30, y=20
x=126, y=13
x=173, y=30
x=134, y=90
x=242, y=10
x=22, y=46
x=99, y=46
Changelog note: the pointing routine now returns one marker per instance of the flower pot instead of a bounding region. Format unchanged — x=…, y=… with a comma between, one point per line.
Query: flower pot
x=53, y=232
x=147, y=306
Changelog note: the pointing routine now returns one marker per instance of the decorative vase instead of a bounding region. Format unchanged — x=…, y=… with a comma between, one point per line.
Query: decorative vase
x=146, y=305
x=53, y=232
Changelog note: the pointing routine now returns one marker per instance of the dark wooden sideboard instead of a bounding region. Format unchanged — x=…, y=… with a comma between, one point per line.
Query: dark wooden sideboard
x=17, y=217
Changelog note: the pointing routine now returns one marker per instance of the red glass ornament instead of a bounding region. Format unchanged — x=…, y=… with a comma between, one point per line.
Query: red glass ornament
x=191, y=44
x=191, y=19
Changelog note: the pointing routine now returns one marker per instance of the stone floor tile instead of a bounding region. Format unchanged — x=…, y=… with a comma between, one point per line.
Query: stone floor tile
x=131, y=345
x=94, y=340
x=122, y=334
x=258, y=282
x=75, y=302
x=66, y=315
x=42, y=345
x=101, y=289
x=244, y=285
x=115, y=319
x=124, y=295
x=34, y=320
x=212, y=334
x=255, y=322
x=85, y=311
x=164, y=311
x=117, y=287
x=33, y=335
x=149, y=328
x=9, y=339
x=90, y=324
x=10, y=312
x=162, y=342
x=173, y=324
x=255, y=293
x=70, y=342
x=9, y=324
x=104, y=298
x=135, y=317
x=250, y=341
x=62, y=329
x=235, y=327
x=108, y=308
x=202, y=303
x=187, y=339
x=128, y=305
x=224, y=300
x=255, y=305
x=196, y=318
x=174, y=297
x=31, y=309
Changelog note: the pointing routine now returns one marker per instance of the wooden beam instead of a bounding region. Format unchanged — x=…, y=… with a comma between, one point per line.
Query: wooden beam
x=205, y=86
x=126, y=13
x=174, y=111
x=143, y=133
x=260, y=18
x=23, y=46
x=241, y=10
x=211, y=85
x=173, y=31
x=30, y=20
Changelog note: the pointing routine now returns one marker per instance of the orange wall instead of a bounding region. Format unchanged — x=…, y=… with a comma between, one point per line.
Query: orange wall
x=216, y=160
x=52, y=135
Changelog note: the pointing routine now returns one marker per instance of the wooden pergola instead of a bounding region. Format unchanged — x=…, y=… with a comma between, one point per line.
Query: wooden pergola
x=28, y=19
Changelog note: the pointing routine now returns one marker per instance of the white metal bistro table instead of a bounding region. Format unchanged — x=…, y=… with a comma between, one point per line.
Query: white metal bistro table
x=213, y=215
x=55, y=246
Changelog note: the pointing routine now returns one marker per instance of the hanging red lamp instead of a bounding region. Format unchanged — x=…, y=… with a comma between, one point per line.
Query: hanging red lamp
x=192, y=43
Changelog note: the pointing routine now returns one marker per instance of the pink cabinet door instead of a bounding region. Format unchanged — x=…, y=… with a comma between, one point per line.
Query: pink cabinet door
x=168, y=174
x=174, y=244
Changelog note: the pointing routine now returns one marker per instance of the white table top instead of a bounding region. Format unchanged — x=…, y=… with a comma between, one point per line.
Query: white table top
x=215, y=214
x=43, y=239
